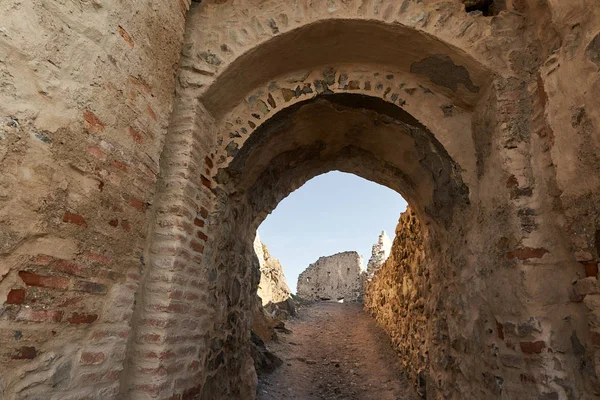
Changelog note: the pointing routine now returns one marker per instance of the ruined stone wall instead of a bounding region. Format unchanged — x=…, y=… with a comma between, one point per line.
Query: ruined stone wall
x=86, y=92
x=335, y=277
x=379, y=253
x=273, y=287
x=396, y=296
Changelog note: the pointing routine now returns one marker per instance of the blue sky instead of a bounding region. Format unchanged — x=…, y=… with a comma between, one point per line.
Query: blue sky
x=331, y=213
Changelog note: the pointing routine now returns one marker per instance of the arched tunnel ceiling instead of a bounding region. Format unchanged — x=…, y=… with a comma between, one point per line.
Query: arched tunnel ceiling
x=354, y=133
x=350, y=41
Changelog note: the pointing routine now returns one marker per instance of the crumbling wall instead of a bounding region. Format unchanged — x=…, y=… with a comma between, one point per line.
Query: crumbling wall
x=339, y=276
x=86, y=93
x=395, y=297
x=273, y=287
x=379, y=253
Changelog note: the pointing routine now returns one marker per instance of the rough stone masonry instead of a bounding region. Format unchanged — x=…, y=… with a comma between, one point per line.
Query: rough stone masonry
x=336, y=277
x=143, y=143
x=379, y=253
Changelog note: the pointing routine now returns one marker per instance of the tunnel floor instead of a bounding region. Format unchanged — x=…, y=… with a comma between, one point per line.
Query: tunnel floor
x=335, y=351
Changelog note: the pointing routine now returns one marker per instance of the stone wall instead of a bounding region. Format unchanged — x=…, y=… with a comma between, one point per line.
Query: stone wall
x=86, y=94
x=396, y=296
x=336, y=277
x=122, y=275
x=379, y=253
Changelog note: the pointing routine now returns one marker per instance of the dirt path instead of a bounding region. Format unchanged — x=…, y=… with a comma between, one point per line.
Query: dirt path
x=335, y=351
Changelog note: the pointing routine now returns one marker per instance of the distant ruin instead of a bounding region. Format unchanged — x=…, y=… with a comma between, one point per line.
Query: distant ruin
x=335, y=277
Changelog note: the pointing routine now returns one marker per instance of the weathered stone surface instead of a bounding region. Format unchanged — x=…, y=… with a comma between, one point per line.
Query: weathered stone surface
x=380, y=252
x=137, y=162
x=335, y=277
x=395, y=296
x=273, y=287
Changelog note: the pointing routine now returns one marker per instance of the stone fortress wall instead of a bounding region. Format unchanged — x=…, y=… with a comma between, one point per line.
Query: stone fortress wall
x=336, y=277
x=395, y=296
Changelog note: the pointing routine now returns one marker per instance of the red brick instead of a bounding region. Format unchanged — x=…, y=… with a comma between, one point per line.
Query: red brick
x=191, y=296
x=71, y=301
x=24, y=353
x=140, y=205
x=204, y=212
x=159, y=322
x=54, y=282
x=126, y=37
x=121, y=166
x=126, y=225
x=197, y=246
x=74, y=219
x=500, y=329
x=198, y=222
x=92, y=358
x=136, y=136
x=151, y=113
x=77, y=319
x=205, y=181
x=16, y=296
x=102, y=335
x=68, y=267
x=165, y=355
x=208, y=161
x=112, y=376
x=194, y=366
x=99, y=258
x=526, y=253
x=532, y=347
x=154, y=390
x=591, y=269
x=527, y=378
x=92, y=122
x=31, y=315
x=133, y=276
x=151, y=338
x=202, y=236
x=42, y=260
x=96, y=152
x=512, y=182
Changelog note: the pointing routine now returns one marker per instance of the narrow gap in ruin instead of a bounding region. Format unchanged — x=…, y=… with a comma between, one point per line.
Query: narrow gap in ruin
x=316, y=251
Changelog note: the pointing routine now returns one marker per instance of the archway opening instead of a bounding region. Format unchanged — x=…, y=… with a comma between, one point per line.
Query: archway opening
x=331, y=213
x=358, y=134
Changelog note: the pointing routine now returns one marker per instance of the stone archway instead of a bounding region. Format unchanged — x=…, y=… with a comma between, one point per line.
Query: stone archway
x=444, y=112
x=111, y=283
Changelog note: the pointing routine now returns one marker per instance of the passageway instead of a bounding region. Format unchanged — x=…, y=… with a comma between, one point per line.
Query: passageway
x=335, y=351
